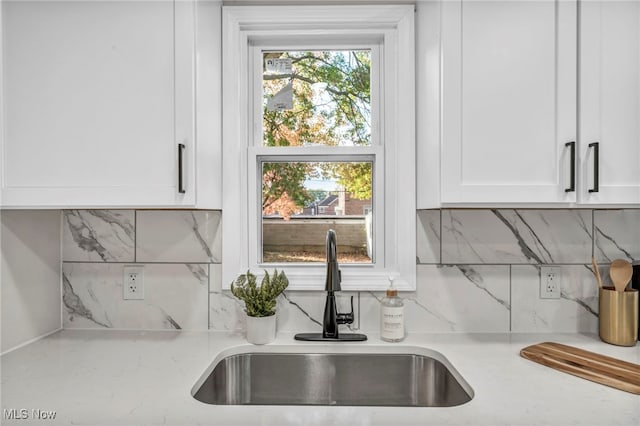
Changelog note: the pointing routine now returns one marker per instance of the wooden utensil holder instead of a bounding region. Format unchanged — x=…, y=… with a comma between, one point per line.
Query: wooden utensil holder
x=618, y=317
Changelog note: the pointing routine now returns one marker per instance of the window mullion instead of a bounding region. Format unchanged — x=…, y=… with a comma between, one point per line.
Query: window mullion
x=332, y=153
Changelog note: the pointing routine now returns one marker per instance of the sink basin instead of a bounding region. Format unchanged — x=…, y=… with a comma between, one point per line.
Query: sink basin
x=408, y=377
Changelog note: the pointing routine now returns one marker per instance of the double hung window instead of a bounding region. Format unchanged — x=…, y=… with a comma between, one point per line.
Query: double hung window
x=319, y=134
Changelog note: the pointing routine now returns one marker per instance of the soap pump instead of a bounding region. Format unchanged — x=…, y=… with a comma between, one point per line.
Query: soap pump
x=392, y=315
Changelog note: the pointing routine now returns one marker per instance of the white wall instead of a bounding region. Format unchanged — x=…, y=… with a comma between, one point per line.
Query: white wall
x=30, y=275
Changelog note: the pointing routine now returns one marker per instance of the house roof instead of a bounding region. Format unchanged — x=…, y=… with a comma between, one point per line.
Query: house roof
x=328, y=201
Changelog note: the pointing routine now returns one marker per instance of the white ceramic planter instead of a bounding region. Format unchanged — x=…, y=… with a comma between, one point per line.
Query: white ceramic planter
x=261, y=330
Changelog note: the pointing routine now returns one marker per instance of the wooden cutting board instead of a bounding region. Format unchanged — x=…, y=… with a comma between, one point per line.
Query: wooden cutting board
x=588, y=365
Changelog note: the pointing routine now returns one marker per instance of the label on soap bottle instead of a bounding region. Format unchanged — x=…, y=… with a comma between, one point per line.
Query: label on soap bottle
x=392, y=323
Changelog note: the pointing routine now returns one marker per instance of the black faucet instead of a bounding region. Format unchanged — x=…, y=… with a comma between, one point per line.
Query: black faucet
x=332, y=318
x=332, y=284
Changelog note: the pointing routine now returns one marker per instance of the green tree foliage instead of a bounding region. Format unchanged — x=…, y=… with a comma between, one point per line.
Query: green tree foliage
x=332, y=106
x=355, y=178
x=318, y=195
x=282, y=184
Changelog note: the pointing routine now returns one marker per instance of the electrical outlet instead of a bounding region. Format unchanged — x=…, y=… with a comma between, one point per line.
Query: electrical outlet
x=133, y=284
x=549, y=282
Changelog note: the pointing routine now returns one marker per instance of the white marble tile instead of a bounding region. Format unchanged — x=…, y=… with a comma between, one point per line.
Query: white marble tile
x=225, y=311
x=297, y=311
x=428, y=236
x=98, y=235
x=175, y=297
x=178, y=236
x=466, y=298
x=617, y=235
x=463, y=298
x=508, y=236
x=300, y=311
x=575, y=311
x=370, y=310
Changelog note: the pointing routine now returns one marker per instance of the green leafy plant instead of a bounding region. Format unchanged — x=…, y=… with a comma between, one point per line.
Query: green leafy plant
x=259, y=301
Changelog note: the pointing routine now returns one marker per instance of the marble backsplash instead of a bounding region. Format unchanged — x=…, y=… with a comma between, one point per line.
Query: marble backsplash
x=478, y=271
x=177, y=249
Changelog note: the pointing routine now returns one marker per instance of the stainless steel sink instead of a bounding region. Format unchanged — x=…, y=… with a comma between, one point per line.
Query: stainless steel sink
x=364, y=379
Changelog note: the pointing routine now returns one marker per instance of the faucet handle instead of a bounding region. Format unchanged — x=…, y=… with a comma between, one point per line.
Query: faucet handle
x=346, y=318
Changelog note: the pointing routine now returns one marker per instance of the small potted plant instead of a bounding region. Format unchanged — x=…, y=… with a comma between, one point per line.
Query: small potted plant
x=260, y=303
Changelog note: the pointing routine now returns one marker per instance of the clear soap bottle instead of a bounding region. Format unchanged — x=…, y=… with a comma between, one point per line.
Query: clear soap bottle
x=392, y=316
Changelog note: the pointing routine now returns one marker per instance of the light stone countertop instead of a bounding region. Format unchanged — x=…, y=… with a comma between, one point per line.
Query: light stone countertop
x=145, y=378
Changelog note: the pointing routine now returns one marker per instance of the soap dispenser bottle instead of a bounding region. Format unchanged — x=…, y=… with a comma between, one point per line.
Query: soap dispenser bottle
x=392, y=316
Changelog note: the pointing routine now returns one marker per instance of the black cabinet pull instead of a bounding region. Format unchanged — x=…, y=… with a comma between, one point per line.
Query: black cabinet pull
x=596, y=166
x=572, y=186
x=181, y=188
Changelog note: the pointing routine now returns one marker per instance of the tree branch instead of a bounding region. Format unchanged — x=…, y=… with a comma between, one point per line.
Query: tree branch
x=311, y=81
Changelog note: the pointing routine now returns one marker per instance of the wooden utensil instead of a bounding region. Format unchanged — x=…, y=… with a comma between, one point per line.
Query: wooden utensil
x=596, y=271
x=620, y=273
x=588, y=365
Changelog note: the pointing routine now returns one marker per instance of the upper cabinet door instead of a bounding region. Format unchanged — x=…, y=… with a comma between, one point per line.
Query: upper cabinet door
x=509, y=101
x=98, y=96
x=610, y=102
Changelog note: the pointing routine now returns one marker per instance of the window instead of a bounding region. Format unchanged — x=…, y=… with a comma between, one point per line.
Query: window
x=294, y=231
x=319, y=134
x=315, y=97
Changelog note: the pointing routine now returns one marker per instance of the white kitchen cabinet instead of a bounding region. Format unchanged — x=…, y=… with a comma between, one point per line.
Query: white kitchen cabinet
x=97, y=98
x=610, y=102
x=508, y=101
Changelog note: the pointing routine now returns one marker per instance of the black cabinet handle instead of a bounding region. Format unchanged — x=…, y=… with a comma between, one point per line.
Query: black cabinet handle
x=181, y=188
x=596, y=166
x=572, y=186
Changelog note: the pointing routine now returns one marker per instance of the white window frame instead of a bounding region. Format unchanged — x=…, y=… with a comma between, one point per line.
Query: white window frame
x=248, y=29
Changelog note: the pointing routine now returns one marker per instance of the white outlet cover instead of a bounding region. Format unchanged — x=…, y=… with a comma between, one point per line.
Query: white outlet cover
x=133, y=283
x=550, y=285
